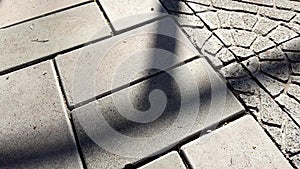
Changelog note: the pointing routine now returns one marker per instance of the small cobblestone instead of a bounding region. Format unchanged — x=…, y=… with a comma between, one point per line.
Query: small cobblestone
x=225, y=36
x=212, y=46
x=264, y=26
x=262, y=44
x=224, y=18
x=244, y=85
x=272, y=54
x=282, y=34
x=276, y=14
x=211, y=19
x=252, y=65
x=295, y=57
x=294, y=90
x=293, y=26
x=234, y=70
x=273, y=86
x=277, y=69
x=296, y=68
x=242, y=53
x=198, y=36
x=243, y=21
x=295, y=79
x=292, y=137
x=225, y=55
x=291, y=105
x=292, y=45
x=234, y=6
x=243, y=38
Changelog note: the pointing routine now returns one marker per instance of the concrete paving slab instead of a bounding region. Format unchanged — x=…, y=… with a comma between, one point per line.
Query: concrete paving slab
x=42, y=37
x=171, y=160
x=14, y=11
x=35, y=131
x=240, y=144
x=127, y=13
x=117, y=130
x=93, y=70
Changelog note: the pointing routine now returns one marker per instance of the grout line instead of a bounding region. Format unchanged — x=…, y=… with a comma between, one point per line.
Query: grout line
x=46, y=14
x=106, y=16
x=73, y=130
x=185, y=159
x=142, y=79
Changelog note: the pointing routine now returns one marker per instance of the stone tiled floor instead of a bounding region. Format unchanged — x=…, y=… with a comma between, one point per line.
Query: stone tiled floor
x=63, y=64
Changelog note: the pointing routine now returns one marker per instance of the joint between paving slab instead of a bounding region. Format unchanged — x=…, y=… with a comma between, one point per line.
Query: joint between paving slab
x=47, y=14
x=131, y=83
x=106, y=17
x=185, y=159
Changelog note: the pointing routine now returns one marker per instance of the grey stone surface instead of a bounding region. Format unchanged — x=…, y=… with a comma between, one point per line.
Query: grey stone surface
x=171, y=160
x=293, y=56
x=225, y=36
x=243, y=21
x=44, y=36
x=252, y=64
x=296, y=68
x=240, y=144
x=282, y=34
x=272, y=54
x=198, y=36
x=127, y=13
x=234, y=6
x=293, y=26
x=296, y=159
x=273, y=86
x=242, y=53
x=291, y=45
x=225, y=55
x=234, y=70
x=276, y=14
x=291, y=105
x=212, y=46
x=14, y=11
x=243, y=38
x=277, y=69
x=211, y=19
x=264, y=26
x=209, y=87
x=126, y=55
x=262, y=44
x=185, y=20
x=294, y=90
x=260, y=2
x=35, y=131
x=295, y=79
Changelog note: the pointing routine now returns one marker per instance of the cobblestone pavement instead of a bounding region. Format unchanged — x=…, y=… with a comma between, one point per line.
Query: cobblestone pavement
x=67, y=69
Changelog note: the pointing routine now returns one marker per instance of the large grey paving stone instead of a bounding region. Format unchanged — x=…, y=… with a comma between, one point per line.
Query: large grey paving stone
x=117, y=61
x=127, y=13
x=117, y=129
x=42, y=37
x=14, y=11
x=171, y=160
x=240, y=144
x=35, y=131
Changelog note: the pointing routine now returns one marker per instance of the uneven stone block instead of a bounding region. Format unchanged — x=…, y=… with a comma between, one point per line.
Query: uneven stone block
x=234, y=6
x=296, y=68
x=198, y=36
x=42, y=37
x=262, y=44
x=277, y=69
x=240, y=144
x=170, y=160
x=243, y=21
x=35, y=130
x=93, y=70
x=225, y=36
x=243, y=38
x=175, y=110
x=293, y=56
x=234, y=70
x=264, y=26
x=14, y=11
x=291, y=105
x=225, y=55
x=272, y=54
x=282, y=34
x=273, y=86
x=211, y=19
x=291, y=45
x=242, y=53
x=276, y=14
x=127, y=13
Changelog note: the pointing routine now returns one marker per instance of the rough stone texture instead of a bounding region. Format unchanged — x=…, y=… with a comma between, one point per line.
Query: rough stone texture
x=35, y=130
x=225, y=55
x=276, y=14
x=14, y=11
x=277, y=69
x=209, y=87
x=296, y=68
x=198, y=36
x=42, y=37
x=293, y=26
x=225, y=36
x=212, y=46
x=296, y=160
x=198, y=8
x=243, y=21
x=242, y=53
x=295, y=79
x=101, y=62
x=243, y=38
x=294, y=90
x=282, y=34
x=240, y=144
x=293, y=56
x=128, y=13
x=273, y=86
x=252, y=65
x=262, y=44
x=234, y=70
x=292, y=45
x=272, y=54
x=234, y=6
x=264, y=26
x=188, y=20
x=211, y=19
x=291, y=105
x=170, y=160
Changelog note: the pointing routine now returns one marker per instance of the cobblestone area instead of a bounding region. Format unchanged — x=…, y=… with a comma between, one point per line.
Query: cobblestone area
x=256, y=47
x=50, y=81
